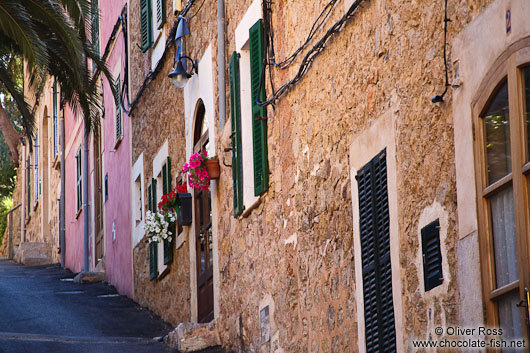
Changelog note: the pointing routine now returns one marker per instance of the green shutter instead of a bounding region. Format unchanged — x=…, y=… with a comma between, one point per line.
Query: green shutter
x=154, y=197
x=259, y=114
x=145, y=24
x=153, y=260
x=168, y=172
x=164, y=179
x=235, y=117
x=149, y=198
x=160, y=13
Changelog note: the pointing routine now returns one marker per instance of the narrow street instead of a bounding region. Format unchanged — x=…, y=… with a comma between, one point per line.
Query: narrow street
x=42, y=310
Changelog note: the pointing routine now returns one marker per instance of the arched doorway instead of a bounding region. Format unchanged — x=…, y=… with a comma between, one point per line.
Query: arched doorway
x=203, y=226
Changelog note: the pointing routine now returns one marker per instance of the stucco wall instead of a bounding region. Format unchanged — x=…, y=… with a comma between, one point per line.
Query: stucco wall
x=116, y=164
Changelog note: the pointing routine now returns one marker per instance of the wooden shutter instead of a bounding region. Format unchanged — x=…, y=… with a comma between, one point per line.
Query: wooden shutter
x=164, y=179
x=375, y=250
x=259, y=114
x=160, y=13
x=145, y=24
x=154, y=199
x=235, y=117
x=153, y=260
x=168, y=245
x=149, y=198
x=432, y=256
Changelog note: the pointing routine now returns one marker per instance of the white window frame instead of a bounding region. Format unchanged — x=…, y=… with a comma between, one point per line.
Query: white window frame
x=159, y=37
x=159, y=160
x=79, y=180
x=365, y=146
x=252, y=15
x=138, y=196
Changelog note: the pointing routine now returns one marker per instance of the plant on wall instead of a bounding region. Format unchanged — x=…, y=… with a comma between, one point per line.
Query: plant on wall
x=198, y=177
x=160, y=226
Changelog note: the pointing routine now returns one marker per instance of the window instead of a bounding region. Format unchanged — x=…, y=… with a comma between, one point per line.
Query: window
x=502, y=131
x=431, y=255
x=95, y=28
x=150, y=25
x=374, y=223
x=36, y=190
x=55, y=120
x=248, y=119
x=118, y=113
x=106, y=187
x=79, y=180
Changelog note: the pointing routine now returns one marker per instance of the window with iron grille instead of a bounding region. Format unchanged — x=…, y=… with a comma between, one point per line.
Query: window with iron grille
x=374, y=221
x=79, y=179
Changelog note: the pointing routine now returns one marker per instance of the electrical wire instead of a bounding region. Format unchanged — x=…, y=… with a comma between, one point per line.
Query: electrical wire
x=440, y=98
x=308, y=59
x=322, y=18
x=196, y=12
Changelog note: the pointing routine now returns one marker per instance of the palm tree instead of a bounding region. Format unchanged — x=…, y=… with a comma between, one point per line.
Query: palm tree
x=53, y=38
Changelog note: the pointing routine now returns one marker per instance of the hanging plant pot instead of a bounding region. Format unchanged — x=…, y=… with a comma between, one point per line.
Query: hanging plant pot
x=212, y=166
x=185, y=208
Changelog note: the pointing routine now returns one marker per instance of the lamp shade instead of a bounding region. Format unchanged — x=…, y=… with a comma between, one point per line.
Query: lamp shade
x=182, y=29
x=179, y=76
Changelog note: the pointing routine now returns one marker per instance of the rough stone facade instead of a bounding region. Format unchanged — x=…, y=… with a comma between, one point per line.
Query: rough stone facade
x=389, y=57
x=41, y=220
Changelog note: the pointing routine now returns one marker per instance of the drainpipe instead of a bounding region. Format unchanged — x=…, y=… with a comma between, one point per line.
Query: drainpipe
x=85, y=198
x=221, y=65
x=62, y=238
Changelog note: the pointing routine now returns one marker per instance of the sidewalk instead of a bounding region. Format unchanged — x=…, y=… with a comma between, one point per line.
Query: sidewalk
x=42, y=310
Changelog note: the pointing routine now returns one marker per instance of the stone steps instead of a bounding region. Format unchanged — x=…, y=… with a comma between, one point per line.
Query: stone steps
x=34, y=254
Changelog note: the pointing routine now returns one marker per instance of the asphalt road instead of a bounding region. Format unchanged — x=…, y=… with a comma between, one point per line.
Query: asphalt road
x=42, y=310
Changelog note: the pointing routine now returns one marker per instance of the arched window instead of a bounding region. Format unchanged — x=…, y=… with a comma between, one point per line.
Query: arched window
x=502, y=151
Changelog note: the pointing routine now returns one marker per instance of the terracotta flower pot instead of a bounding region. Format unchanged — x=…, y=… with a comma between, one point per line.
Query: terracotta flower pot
x=212, y=166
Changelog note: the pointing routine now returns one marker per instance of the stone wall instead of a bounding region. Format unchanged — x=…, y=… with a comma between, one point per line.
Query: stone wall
x=158, y=116
x=296, y=247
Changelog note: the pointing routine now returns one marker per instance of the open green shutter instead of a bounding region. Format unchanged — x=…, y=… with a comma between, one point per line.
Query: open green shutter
x=164, y=179
x=145, y=24
x=235, y=115
x=149, y=198
x=168, y=245
x=160, y=13
x=154, y=198
x=168, y=174
x=259, y=114
x=153, y=260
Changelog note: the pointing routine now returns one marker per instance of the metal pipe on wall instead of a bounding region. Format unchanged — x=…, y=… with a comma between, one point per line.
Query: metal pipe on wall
x=221, y=65
x=62, y=238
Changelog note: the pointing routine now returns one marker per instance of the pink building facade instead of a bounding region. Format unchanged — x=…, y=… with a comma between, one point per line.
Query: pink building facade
x=116, y=154
x=109, y=166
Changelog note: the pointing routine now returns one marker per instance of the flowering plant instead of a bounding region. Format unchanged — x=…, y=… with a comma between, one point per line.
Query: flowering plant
x=157, y=225
x=169, y=201
x=182, y=188
x=198, y=177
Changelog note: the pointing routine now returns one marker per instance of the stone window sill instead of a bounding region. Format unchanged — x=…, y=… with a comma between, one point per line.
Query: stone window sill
x=248, y=210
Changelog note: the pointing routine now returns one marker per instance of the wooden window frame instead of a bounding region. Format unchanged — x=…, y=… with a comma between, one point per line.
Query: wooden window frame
x=508, y=66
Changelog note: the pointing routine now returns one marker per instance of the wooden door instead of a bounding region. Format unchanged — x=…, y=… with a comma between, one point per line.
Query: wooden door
x=203, y=230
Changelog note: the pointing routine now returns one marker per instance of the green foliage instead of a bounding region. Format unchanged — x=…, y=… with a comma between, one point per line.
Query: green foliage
x=5, y=205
